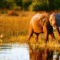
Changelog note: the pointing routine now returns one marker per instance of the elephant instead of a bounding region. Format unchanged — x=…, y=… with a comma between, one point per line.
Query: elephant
x=40, y=24
x=55, y=21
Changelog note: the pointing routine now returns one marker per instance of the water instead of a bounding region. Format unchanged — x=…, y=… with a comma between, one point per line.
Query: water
x=14, y=52
x=25, y=52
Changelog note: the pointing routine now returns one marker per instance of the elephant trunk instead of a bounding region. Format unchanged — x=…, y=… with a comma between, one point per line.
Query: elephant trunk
x=57, y=29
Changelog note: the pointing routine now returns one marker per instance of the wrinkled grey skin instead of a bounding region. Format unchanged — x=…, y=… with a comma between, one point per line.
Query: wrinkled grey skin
x=40, y=24
x=55, y=21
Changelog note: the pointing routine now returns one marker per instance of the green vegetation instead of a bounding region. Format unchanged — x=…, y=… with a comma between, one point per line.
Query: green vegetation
x=33, y=5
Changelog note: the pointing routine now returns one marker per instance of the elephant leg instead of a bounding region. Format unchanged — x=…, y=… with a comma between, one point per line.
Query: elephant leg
x=30, y=35
x=52, y=35
x=36, y=37
x=46, y=33
x=30, y=32
x=46, y=36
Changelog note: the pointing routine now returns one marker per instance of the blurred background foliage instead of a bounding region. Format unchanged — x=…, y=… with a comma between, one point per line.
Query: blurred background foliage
x=33, y=5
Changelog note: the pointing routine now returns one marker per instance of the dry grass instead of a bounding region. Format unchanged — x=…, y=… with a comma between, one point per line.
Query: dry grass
x=16, y=28
x=15, y=25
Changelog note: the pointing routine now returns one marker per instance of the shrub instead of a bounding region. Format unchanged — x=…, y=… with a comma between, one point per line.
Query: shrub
x=14, y=7
x=2, y=11
x=12, y=13
x=17, y=8
x=18, y=2
x=9, y=4
x=26, y=3
x=38, y=6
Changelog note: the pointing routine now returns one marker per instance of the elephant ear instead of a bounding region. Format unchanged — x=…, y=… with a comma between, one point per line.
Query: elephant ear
x=41, y=18
x=44, y=18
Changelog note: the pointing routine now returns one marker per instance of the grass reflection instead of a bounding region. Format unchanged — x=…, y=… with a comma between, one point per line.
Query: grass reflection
x=43, y=53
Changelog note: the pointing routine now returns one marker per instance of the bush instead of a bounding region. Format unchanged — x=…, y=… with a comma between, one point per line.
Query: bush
x=2, y=11
x=26, y=3
x=14, y=7
x=17, y=8
x=6, y=4
x=38, y=6
x=9, y=4
x=12, y=13
x=18, y=2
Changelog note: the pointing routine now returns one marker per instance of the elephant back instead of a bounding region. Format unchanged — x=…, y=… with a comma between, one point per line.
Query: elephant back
x=40, y=18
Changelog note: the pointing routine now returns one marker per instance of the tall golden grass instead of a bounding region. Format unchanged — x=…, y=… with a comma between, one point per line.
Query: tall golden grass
x=16, y=28
x=15, y=25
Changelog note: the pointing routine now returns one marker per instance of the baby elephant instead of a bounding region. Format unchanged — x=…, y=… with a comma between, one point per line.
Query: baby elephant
x=40, y=24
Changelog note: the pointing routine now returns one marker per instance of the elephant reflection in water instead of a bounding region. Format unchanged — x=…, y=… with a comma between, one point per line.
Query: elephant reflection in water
x=58, y=56
x=46, y=54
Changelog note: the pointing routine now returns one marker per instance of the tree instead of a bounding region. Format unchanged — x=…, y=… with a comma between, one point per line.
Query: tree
x=18, y=2
x=26, y=3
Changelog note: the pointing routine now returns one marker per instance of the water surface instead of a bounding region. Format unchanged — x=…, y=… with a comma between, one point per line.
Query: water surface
x=14, y=52
x=25, y=52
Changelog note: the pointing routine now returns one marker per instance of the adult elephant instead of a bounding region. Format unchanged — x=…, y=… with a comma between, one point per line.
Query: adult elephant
x=55, y=21
x=40, y=24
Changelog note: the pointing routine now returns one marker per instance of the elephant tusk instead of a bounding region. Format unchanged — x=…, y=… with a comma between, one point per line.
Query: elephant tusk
x=54, y=27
